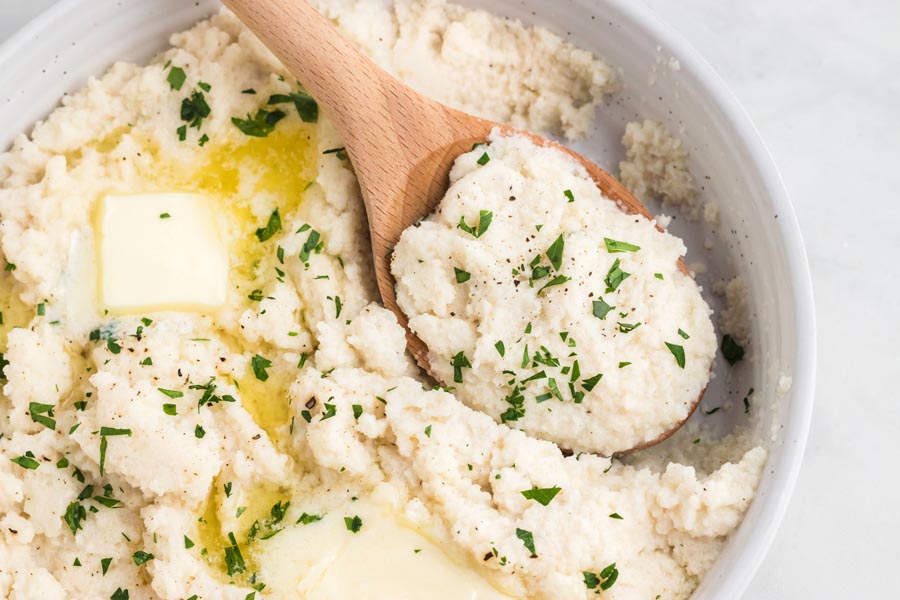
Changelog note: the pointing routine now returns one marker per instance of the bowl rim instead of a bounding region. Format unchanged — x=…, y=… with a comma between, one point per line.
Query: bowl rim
x=799, y=414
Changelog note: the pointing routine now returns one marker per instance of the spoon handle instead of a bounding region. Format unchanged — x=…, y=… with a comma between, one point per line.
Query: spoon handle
x=343, y=80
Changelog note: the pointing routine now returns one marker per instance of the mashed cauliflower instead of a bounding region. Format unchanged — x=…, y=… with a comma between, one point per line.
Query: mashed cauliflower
x=550, y=308
x=157, y=455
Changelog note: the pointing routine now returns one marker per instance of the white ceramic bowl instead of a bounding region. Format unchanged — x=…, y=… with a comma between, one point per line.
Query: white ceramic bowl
x=758, y=237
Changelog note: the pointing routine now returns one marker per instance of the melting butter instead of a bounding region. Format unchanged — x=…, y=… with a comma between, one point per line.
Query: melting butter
x=160, y=252
x=385, y=560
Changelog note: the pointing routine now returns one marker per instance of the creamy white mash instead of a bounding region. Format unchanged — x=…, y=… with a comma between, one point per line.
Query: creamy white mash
x=550, y=308
x=196, y=443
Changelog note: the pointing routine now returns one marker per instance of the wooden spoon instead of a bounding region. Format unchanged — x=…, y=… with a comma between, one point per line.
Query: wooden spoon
x=401, y=143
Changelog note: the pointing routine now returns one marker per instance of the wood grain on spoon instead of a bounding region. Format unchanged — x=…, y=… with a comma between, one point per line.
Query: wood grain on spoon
x=401, y=143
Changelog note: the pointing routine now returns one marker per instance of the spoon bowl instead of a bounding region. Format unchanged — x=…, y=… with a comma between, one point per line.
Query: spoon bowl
x=402, y=144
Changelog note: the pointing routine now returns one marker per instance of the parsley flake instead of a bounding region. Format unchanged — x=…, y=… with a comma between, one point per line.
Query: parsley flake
x=527, y=539
x=353, y=524
x=176, y=78
x=613, y=246
x=615, y=277
x=272, y=227
x=484, y=221
x=259, y=365
x=731, y=350
x=678, y=352
x=542, y=496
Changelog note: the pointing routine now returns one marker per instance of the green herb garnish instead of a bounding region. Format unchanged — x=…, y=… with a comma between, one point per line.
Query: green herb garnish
x=484, y=221
x=43, y=414
x=542, y=496
x=261, y=124
x=678, y=352
x=461, y=276
x=140, y=557
x=731, y=350
x=601, y=308
x=613, y=246
x=459, y=362
x=555, y=252
x=273, y=226
x=527, y=539
x=259, y=365
x=176, y=78
x=353, y=524
x=615, y=277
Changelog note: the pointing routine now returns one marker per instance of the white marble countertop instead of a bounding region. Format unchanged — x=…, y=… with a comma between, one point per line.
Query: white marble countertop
x=821, y=80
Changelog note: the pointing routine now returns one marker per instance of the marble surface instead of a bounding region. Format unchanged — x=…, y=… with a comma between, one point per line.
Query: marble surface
x=821, y=80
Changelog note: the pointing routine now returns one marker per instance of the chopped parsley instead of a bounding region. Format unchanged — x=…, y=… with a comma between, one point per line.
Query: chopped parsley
x=459, y=362
x=568, y=194
x=209, y=396
x=234, y=560
x=27, y=461
x=176, y=78
x=604, y=580
x=678, y=352
x=330, y=411
x=615, y=277
x=199, y=432
x=170, y=409
x=461, y=276
x=188, y=542
x=140, y=557
x=542, y=496
x=357, y=411
x=527, y=539
x=484, y=221
x=306, y=106
x=353, y=524
x=306, y=519
x=627, y=327
x=194, y=109
x=558, y=280
x=683, y=334
x=43, y=414
x=484, y=159
x=731, y=350
x=613, y=246
x=590, y=383
x=106, y=432
x=601, y=308
x=428, y=431
x=313, y=244
x=272, y=227
x=555, y=252
x=615, y=515
x=501, y=349
x=74, y=516
x=170, y=393
x=165, y=215
x=259, y=365
x=119, y=594
x=261, y=124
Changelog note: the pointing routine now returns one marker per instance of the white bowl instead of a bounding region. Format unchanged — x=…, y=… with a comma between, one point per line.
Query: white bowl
x=758, y=237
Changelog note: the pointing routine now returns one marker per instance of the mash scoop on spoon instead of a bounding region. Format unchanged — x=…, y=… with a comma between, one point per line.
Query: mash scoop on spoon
x=401, y=143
